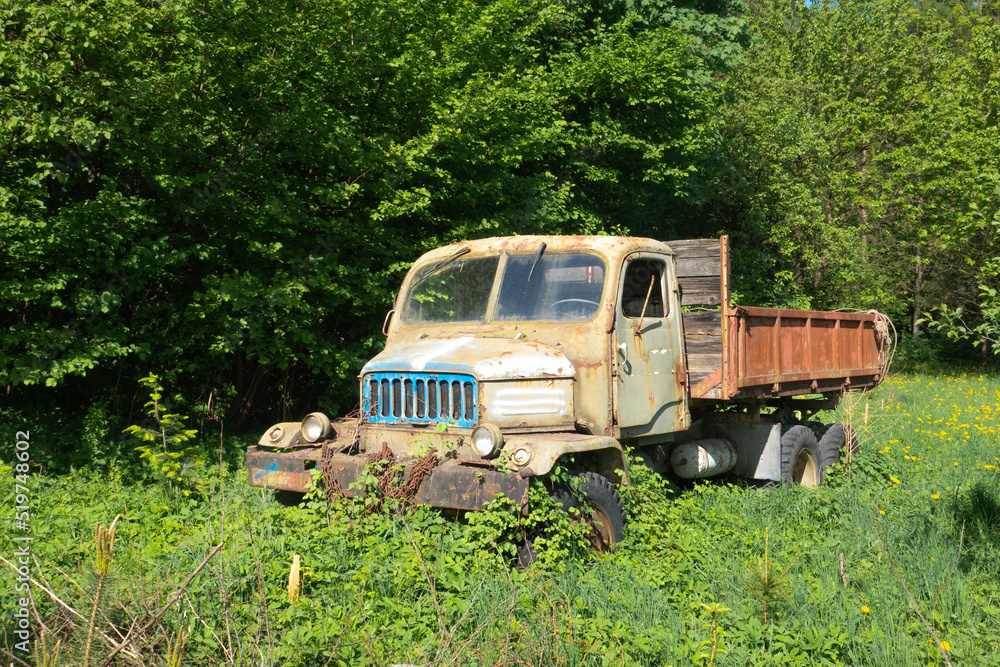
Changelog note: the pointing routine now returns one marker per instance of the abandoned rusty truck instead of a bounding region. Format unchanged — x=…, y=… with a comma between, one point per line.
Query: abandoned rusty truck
x=505, y=356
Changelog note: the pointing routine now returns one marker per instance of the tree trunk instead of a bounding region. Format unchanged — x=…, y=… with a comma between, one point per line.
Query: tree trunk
x=253, y=382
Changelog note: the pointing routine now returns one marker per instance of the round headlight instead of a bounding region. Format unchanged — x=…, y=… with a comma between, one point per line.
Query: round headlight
x=487, y=440
x=316, y=427
x=521, y=456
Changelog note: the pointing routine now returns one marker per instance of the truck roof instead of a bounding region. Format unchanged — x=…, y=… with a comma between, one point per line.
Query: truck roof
x=608, y=246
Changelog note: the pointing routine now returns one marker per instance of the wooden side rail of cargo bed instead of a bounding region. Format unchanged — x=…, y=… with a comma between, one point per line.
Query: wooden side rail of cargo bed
x=741, y=352
x=783, y=352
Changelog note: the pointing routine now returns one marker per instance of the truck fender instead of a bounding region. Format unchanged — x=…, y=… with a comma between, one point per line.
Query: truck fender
x=286, y=435
x=546, y=448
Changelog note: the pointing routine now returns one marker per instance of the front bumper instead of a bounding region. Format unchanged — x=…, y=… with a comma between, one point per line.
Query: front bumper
x=449, y=486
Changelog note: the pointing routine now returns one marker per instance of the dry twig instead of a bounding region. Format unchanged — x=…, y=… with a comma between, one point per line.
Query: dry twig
x=163, y=610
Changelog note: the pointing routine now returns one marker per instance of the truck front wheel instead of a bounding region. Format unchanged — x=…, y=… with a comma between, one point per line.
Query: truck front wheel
x=600, y=506
x=801, y=461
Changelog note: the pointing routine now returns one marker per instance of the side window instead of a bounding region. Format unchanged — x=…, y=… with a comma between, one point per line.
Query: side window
x=640, y=276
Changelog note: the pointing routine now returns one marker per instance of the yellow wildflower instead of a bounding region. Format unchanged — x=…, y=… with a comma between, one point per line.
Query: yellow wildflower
x=865, y=609
x=896, y=481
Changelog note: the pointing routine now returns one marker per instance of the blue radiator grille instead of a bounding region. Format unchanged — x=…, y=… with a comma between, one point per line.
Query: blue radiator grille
x=420, y=398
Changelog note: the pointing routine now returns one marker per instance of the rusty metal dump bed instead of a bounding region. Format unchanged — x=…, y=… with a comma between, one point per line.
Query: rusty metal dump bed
x=782, y=352
x=742, y=352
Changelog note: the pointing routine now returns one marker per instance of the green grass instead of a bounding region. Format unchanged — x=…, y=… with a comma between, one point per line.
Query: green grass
x=430, y=588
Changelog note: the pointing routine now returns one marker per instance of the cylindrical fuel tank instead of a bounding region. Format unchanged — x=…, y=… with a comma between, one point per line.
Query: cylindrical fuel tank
x=703, y=458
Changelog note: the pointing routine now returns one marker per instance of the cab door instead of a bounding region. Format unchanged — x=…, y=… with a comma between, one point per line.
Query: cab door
x=650, y=392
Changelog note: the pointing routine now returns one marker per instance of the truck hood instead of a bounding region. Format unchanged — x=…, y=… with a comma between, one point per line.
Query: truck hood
x=485, y=358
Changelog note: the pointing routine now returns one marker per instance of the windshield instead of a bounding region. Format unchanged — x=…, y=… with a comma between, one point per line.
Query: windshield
x=456, y=291
x=534, y=288
x=562, y=288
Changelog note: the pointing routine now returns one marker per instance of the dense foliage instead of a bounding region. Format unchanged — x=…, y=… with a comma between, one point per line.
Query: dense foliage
x=916, y=513
x=864, y=139
x=228, y=193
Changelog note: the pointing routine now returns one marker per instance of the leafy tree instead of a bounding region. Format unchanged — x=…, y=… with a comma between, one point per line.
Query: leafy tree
x=981, y=325
x=229, y=193
x=858, y=134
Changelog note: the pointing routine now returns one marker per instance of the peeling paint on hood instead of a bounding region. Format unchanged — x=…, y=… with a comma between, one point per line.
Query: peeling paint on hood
x=485, y=358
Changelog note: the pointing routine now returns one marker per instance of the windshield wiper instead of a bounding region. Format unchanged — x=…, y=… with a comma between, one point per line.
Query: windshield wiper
x=445, y=262
x=538, y=256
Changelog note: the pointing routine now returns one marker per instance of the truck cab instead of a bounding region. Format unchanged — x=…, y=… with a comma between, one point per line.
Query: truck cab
x=532, y=335
x=505, y=355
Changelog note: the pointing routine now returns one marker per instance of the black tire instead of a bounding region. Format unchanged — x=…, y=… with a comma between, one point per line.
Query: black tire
x=526, y=553
x=801, y=459
x=834, y=438
x=600, y=505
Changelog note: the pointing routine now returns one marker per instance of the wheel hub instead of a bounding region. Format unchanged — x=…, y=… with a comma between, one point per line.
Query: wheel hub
x=600, y=530
x=806, y=472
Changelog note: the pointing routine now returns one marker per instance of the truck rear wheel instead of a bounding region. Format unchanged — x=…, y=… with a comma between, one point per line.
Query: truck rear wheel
x=801, y=459
x=600, y=506
x=834, y=438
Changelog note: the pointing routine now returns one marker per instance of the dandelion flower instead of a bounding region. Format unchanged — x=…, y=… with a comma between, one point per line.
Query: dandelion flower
x=894, y=480
x=945, y=645
x=881, y=511
x=935, y=496
x=865, y=609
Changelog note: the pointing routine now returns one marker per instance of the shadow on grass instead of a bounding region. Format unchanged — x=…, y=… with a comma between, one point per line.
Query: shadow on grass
x=979, y=510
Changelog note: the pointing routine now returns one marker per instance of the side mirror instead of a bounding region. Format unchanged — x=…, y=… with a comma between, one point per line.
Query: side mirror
x=388, y=321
